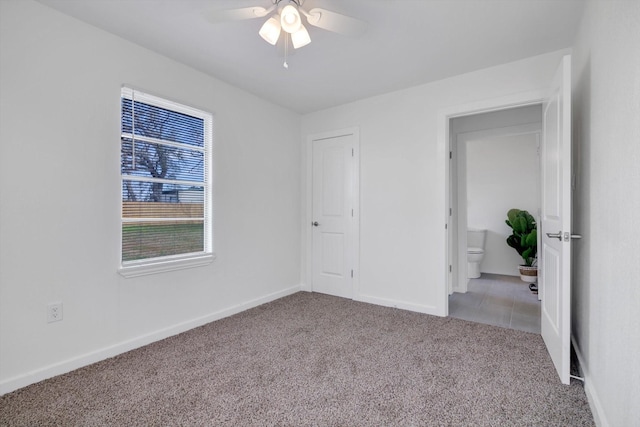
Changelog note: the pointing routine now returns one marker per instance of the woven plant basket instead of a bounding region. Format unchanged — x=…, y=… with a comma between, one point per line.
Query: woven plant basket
x=528, y=274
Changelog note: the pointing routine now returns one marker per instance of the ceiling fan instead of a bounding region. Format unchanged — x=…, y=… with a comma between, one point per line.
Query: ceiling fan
x=286, y=15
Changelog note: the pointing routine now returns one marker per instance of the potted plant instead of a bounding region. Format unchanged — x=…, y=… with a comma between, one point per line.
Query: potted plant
x=524, y=239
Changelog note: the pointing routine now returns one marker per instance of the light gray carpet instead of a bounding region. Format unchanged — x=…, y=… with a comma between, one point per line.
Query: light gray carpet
x=312, y=359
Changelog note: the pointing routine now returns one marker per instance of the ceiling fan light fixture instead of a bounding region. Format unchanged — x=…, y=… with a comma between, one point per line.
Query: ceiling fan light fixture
x=287, y=15
x=300, y=38
x=290, y=19
x=270, y=30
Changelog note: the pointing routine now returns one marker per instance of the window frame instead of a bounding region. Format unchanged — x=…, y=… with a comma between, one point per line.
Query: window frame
x=162, y=264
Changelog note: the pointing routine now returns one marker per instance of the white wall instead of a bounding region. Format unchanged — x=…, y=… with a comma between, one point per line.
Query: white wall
x=606, y=126
x=60, y=85
x=501, y=171
x=403, y=197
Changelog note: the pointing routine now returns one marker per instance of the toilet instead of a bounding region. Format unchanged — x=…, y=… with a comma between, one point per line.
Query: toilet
x=475, y=251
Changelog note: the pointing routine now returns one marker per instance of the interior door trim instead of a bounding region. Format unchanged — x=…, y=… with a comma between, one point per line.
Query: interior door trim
x=443, y=146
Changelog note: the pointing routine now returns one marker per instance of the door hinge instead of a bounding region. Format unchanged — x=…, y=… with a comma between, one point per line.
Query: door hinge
x=352, y=274
x=451, y=154
x=446, y=226
x=351, y=212
x=352, y=152
x=450, y=211
x=450, y=269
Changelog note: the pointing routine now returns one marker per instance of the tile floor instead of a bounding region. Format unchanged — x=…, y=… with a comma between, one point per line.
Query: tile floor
x=498, y=300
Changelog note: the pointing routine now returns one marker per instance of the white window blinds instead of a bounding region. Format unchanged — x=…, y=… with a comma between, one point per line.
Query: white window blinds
x=165, y=165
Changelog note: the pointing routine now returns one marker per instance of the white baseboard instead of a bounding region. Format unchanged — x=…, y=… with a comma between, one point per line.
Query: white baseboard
x=425, y=309
x=460, y=289
x=305, y=287
x=69, y=365
x=592, y=395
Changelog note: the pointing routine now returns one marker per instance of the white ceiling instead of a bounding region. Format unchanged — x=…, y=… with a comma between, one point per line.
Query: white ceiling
x=408, y=42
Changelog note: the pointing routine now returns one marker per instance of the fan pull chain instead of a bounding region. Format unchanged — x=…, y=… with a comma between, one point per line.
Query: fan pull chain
x=286, y=50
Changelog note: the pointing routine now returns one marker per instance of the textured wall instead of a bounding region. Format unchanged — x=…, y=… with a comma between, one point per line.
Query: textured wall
x=606, y=125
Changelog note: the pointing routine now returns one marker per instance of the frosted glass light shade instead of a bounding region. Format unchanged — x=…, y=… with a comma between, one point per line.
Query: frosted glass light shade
x=290, y=19
x=300, y=38
x=270, y=30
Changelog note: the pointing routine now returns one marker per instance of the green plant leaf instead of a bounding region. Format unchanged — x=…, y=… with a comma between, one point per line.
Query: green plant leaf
x=514, y=242
x=520, y=224
x=511, y=215
x=524, y=238
x=532, y=238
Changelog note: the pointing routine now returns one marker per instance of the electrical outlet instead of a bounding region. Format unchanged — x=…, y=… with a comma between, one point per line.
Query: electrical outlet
x=54, y=312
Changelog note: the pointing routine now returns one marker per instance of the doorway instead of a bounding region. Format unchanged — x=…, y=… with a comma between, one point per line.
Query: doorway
x=494, y=167
x=554, y=260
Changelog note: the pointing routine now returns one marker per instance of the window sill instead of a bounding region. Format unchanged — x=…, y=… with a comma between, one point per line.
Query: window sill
x=165, y=265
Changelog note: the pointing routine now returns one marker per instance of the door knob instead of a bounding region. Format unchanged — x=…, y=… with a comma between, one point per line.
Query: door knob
x=557, y=235
x=315, y=223
x=567, y=236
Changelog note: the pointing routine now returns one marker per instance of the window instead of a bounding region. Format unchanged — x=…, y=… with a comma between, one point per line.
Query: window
x=165, y=164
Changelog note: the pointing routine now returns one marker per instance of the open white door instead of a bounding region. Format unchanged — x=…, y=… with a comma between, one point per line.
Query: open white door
x=334, y=238
x=555, y=254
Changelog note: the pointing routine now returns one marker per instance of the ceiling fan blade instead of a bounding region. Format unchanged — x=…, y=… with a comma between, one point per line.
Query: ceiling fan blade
x=217, y=16
x=335, y=22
